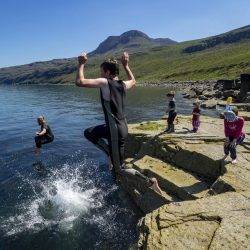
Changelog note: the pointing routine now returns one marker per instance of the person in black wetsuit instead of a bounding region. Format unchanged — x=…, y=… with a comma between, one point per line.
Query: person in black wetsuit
x=114, y=130
x=171, y=110
x=44, y=136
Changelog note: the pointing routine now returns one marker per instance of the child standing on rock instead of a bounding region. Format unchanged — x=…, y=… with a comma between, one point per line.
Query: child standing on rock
x=233, y=126
x=196, y=117
x=171, y=112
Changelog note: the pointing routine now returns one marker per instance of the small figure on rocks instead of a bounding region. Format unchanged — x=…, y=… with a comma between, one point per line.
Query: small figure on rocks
x=233, y=126
x=45, y=134
x=228, y=103
x=196, y=116
x=171, y=112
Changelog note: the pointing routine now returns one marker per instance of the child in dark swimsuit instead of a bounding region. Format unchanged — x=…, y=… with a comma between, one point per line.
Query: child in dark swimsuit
x=171, y=112
x=44, y=136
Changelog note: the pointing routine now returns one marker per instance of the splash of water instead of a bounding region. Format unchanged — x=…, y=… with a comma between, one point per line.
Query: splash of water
x=64, y=197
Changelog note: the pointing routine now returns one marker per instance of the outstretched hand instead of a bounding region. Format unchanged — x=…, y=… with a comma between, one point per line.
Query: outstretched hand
x=125, y=59
x=82, y=59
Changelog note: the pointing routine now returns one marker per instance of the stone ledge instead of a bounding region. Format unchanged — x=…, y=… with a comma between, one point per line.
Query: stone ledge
x=217, y=222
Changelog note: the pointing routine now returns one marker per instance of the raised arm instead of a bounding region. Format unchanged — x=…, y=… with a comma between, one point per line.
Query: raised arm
x=131, y=79
x=81, y=81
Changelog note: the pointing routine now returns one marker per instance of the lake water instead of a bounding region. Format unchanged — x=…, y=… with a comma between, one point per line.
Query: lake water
x=73, y=203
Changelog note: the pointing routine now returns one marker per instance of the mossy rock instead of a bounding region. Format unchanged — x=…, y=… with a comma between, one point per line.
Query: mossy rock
x=150, y=126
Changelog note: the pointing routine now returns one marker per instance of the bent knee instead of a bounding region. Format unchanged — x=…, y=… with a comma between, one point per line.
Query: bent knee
x=87, y=133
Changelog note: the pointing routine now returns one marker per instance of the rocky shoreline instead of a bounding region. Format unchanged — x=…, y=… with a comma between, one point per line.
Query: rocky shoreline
x=212, y=93
x=205, y=201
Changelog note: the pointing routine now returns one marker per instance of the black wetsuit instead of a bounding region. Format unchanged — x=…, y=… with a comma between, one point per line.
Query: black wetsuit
x=172, y=113
x=114, y=130
x=46, y=138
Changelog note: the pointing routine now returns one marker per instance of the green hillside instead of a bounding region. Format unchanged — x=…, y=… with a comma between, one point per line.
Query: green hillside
x=170, y=63
x=223, y=56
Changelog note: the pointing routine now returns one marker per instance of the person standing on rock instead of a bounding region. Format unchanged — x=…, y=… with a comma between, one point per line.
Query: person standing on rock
x=233, y=127
x=171, y=112
x=196, y=117
x=114, y=130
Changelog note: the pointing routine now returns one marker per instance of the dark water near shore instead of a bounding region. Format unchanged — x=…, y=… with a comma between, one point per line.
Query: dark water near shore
x=73, y=203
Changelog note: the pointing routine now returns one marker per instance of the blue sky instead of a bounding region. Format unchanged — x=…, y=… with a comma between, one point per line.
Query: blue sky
x=33, y=30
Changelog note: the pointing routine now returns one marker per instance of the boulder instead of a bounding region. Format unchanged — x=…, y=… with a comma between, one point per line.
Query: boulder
x=232, y=93
x=209, y=93
x=203, y=98
x=237, y=84
x=198, y=90
x=217, y=222
x=245, y=86
x=209, y=104
x=247, y=98
x=227, y=84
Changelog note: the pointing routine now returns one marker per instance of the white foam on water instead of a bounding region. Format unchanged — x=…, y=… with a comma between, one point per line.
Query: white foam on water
x=64, y=197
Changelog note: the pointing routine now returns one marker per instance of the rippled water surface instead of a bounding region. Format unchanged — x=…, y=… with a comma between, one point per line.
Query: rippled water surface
x=72, y=202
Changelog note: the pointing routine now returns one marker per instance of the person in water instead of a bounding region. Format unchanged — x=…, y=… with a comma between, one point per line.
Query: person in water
x=45, y=134
x=196, y=116
x=233, y=128
x=171, y=112
x=114, y=130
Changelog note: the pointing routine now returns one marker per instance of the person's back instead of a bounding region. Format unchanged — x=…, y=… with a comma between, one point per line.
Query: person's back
x=49, y=132
x=233, y=128
x=112, y=92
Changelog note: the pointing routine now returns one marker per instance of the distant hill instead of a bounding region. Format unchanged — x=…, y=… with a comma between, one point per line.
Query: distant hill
x=226, y=38
x=222, y=56
x=132, y=39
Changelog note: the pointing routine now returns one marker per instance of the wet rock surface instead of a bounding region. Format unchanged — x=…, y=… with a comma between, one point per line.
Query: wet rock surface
x=205, y=200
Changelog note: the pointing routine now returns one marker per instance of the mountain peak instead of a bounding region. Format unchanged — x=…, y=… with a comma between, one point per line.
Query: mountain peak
x=130, y=40
x=134, y=33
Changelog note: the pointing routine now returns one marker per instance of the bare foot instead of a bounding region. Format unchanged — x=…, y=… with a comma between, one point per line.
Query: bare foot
x=110, y=164
x=155, y=185
x=234, y=161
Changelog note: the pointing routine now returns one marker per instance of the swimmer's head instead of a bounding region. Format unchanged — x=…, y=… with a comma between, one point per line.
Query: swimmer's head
x=109, y=68
x=41, y=120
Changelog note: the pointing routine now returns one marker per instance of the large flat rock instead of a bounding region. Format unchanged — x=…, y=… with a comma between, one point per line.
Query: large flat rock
x=217, y=222
x=186, y=166
x=174, y=180
x=200, y=153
